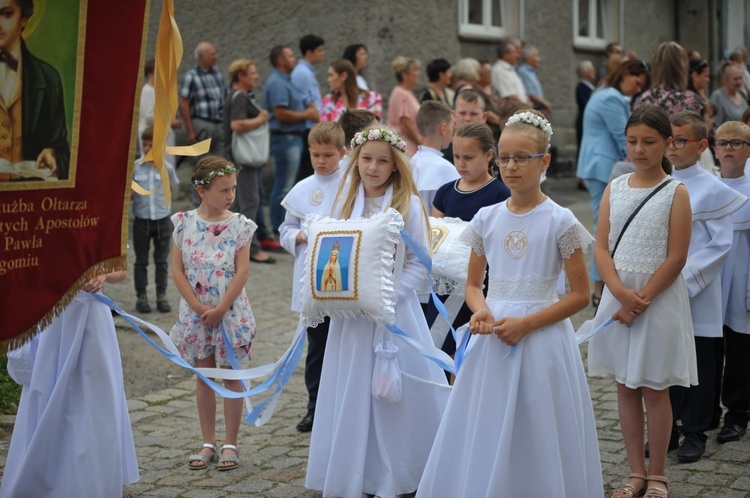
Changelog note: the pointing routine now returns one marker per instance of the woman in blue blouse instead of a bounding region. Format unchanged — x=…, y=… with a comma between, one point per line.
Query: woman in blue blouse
x=603, y=142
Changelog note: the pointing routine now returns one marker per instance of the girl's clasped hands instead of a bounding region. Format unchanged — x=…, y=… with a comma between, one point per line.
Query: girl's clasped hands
x=509, y=330
x=633, y=303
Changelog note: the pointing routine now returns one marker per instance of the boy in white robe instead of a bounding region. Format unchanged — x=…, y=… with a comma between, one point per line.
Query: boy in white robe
x=712, y=203
x=733, y=150
x=314, y=194
x=430, y=169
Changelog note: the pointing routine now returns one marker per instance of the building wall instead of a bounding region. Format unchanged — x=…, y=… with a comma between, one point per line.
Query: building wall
x=425, y=30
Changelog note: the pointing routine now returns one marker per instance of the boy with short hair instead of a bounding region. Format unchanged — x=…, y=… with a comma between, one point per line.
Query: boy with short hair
x=469, y=107
x=430, y=169
x=314, y=194
x=151, y=222
x=712, y=203
x=733, y=150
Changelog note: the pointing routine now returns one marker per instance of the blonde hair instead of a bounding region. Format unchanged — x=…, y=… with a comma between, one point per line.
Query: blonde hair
x=401, y=65
x=401, y=179
x=734, y=127
x=238, y=68
x=327, y=133
x=538, y=134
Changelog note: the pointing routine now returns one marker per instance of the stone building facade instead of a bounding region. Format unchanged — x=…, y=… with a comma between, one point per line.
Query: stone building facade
x=565, y=31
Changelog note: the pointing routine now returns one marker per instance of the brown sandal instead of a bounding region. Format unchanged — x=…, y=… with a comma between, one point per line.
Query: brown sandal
x=628, y=490
x=652, y=492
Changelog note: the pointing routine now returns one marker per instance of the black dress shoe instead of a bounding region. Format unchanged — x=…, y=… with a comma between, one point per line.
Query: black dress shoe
x=674, y=443
x=692, y=448
x=730, y=432
x=306, y=423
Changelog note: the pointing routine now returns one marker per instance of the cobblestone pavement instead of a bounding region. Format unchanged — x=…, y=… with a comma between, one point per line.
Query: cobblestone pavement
x=166, y=430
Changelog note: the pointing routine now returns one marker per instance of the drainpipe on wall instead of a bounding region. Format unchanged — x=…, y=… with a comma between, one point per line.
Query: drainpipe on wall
x=521, y=19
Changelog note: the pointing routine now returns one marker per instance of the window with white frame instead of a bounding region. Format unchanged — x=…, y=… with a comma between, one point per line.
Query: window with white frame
x=484, y=19
x=596, y=22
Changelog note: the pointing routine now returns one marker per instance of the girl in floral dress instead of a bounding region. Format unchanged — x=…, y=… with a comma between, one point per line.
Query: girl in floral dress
x=210, y=268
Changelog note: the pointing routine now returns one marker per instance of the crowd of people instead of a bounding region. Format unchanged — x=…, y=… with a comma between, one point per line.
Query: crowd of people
x=670, y=264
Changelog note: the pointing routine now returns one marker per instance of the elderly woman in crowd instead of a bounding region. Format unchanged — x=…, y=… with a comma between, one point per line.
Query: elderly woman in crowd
x=603, y=142
x=346, y=94
x=403, y=105
x=729, y=100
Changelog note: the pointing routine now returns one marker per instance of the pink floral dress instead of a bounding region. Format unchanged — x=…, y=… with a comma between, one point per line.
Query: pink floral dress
x=332, y=109
x=208, y=254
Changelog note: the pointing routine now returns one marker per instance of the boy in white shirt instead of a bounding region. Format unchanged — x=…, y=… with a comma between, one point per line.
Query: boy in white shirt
x=314, y=194
x=712, y=203
x=430, y=169
x=733, y=150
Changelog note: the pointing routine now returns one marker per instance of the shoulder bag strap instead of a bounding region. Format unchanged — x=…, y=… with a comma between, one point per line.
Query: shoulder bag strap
x=627, y=223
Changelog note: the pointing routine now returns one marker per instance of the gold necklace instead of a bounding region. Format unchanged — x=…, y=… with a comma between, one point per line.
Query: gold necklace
x=516, y=241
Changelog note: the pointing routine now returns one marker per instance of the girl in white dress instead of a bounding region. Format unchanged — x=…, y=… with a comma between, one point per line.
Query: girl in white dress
x=519, y=421
x=651, y=346
x=361, y=444
x=210, y=267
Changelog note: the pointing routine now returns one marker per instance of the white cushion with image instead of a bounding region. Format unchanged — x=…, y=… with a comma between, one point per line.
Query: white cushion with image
x=349, y=267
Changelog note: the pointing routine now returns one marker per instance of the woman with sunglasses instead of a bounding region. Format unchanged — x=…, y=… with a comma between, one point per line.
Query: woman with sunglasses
x=603, y=142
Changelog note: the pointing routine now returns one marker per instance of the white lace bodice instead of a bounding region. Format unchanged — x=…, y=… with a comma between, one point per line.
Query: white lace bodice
x=529, y=276
x=643, y=247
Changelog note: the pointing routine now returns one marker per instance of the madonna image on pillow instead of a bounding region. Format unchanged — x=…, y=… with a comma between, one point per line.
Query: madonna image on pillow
x=333, y=261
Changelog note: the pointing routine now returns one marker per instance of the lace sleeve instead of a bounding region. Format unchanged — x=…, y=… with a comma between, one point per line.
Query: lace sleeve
x=472, y=239
x=571, y=235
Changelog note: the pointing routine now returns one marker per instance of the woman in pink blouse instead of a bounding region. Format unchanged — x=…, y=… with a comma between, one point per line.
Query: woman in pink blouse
x=345, y=94
x=403, y=104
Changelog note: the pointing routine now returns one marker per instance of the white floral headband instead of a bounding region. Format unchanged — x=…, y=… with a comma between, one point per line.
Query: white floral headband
x=533, y=120
x=229, y=168
x=383, y=134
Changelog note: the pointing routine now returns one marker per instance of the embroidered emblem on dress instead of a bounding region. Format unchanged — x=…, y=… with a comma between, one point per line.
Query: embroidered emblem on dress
x=316, y=197
x=516, y=244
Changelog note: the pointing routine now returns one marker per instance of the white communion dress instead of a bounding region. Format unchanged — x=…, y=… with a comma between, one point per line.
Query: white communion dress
x=520, y=425
x=361, y=444
x=658, y=350
x=72, y=436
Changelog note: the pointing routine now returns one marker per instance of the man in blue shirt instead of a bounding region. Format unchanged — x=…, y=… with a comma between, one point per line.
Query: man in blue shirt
x=304, y=80
x=287, y=114
x=531, y=83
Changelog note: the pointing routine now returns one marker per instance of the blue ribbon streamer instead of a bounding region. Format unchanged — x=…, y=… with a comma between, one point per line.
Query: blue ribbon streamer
x=426, y=260
x=591, y=334
x=281, y=374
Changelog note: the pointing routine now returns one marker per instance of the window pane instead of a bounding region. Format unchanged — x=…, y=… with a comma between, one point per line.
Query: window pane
x=600, y=13
x=497, y=13
x=475, y=12
x=583, y=17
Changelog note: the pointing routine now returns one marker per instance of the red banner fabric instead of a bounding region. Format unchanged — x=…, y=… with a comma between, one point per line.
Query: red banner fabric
x=64, y=220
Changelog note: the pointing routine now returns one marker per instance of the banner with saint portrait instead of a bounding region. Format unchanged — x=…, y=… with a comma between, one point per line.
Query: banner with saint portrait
x=69, y=77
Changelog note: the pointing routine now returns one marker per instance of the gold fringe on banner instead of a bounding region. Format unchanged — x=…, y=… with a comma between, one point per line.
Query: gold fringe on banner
x=168, y=56
x=105, y=267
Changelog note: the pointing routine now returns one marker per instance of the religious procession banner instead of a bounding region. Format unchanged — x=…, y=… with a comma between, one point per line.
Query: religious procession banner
x=69, y=79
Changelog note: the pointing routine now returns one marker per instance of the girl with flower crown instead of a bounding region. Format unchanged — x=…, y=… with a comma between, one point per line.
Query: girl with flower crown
x=210, y=267
x=519, y=421
x=361, y=444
